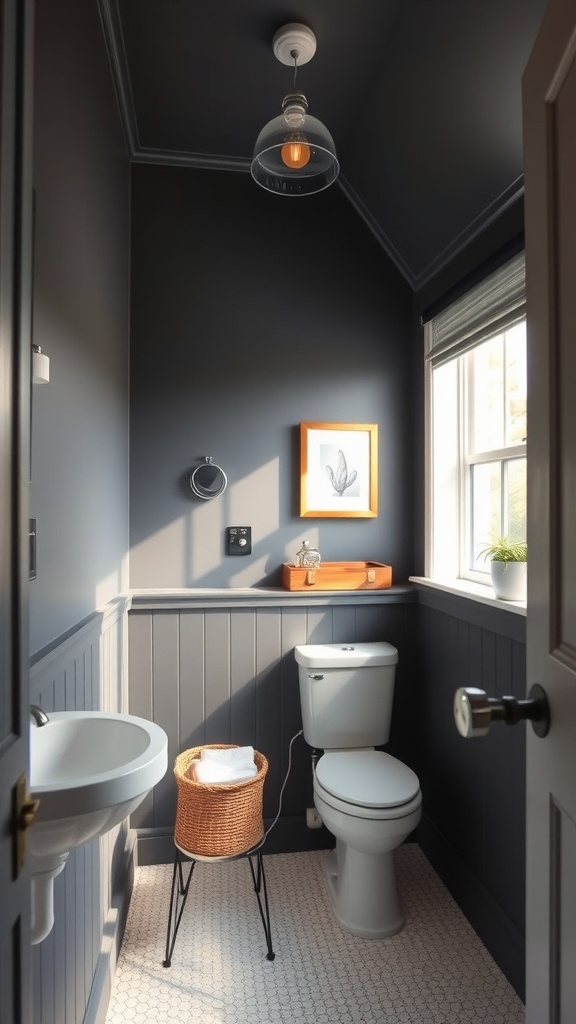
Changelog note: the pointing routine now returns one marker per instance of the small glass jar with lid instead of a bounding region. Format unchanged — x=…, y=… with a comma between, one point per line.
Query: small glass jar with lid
x=308, y=556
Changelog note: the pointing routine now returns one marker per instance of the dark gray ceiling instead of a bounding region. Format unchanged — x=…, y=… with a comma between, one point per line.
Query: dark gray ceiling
x=422, y=97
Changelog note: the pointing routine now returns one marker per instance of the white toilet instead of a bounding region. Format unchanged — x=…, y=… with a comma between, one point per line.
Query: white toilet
x=369, y=800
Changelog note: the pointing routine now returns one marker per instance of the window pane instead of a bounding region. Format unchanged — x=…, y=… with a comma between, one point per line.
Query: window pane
x=445, y=454
x=476, y=439
x=498, y=500
x=516, y=384
x=515, y=489
x=486, y=502
x=486, y=386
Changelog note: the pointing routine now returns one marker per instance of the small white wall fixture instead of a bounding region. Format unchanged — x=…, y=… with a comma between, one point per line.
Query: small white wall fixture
x=40, y=366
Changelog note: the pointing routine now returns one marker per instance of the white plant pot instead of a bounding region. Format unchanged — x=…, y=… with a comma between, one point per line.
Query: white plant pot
x=509, y=580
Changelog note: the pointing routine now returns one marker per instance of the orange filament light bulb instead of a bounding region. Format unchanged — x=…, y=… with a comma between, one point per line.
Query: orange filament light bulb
x=295, y=154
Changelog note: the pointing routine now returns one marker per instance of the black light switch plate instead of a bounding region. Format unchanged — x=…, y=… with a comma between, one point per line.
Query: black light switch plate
x=239, y=540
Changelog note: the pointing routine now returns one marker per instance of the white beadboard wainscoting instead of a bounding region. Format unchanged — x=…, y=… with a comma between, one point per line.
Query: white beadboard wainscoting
x=218, y=667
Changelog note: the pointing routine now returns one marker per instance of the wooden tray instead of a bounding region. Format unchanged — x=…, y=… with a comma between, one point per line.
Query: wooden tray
x=338, y=576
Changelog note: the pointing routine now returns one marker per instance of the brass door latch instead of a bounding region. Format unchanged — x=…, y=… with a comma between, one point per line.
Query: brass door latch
x=25, y=808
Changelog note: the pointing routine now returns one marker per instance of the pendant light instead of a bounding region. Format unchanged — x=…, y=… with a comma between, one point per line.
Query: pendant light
x=294, y=153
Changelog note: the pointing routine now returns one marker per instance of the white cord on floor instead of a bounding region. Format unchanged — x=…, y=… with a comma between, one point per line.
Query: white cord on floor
x=295, y=737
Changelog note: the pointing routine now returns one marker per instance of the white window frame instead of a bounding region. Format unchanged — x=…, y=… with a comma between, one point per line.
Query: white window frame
x=489, y=309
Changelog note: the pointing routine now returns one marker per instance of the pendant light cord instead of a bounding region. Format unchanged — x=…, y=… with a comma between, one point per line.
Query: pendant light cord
x=295, y=54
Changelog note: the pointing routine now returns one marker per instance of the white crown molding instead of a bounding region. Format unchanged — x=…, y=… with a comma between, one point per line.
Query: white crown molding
x=380, y=235
x=473, y=230
x=114, y=40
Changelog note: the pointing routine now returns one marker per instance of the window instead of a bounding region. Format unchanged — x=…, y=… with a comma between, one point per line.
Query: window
x=476, y=425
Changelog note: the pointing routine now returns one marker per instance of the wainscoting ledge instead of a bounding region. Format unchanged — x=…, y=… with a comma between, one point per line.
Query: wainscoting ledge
x=472, y=592
x=258, y=597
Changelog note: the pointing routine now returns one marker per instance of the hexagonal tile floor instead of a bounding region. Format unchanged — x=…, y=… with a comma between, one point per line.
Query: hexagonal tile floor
x=435, y=971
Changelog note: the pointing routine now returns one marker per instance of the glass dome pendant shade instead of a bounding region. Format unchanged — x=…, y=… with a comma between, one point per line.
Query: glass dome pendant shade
x=294, y=153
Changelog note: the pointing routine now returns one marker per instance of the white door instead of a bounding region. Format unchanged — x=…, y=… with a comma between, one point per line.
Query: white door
x=549, y=97
x=15, y=342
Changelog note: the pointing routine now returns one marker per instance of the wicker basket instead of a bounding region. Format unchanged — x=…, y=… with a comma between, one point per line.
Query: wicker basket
x=220, y=819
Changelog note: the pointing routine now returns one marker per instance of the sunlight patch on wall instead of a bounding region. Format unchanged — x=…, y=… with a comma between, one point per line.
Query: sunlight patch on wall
x=106, y=588
x=159, y=557
x=248, y=573
x=255, y=501
x=205, y=541
x=116, y=582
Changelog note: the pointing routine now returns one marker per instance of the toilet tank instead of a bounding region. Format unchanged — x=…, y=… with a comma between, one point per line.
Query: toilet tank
x=346, y=693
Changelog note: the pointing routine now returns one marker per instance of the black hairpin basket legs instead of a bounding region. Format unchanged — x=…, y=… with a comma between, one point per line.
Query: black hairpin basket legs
x=179, y=895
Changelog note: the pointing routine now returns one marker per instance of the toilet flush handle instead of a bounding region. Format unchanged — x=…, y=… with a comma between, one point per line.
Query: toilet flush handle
x=315, y=675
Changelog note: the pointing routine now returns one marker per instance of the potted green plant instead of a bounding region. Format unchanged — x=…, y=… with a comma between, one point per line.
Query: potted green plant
x=508, y=568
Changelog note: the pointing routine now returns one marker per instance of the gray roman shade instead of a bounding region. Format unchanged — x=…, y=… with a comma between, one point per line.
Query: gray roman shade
x=498, y=302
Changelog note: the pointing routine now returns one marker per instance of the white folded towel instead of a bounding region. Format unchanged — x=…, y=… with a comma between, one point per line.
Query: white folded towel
x=232, y=764
x=236, y=757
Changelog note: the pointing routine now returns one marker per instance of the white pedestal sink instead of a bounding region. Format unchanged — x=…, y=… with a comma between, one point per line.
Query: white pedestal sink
x=90, y=770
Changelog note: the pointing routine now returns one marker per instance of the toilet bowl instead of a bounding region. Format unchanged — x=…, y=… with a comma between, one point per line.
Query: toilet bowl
x=369, y=800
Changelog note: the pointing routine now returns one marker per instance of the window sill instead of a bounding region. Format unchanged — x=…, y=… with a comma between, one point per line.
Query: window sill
x=474, y=591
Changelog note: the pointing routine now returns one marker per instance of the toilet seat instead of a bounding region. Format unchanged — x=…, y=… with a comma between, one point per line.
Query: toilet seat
x=367, y=784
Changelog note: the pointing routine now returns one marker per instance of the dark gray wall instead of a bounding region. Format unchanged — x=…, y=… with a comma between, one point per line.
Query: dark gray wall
x=251, y=313
x=79, y=492
x=474, y=819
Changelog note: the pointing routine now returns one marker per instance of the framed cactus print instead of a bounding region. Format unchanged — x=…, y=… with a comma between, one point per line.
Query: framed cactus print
x=338, y=470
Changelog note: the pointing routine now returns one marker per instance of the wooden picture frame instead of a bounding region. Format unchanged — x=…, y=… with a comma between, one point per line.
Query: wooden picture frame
x=339, y=470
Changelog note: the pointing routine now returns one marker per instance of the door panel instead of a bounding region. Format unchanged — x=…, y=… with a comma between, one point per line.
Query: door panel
x=549, y=96
x=15, y=344
x=563, y=928
x=564, y=155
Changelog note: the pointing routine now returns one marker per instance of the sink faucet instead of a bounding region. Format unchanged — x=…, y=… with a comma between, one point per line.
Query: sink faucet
x=38, y=715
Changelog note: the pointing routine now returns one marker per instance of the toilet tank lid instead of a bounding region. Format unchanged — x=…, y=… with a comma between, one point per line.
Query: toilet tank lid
x=345, y=655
